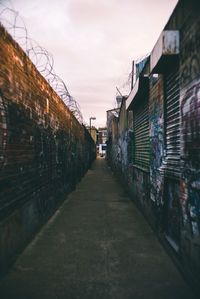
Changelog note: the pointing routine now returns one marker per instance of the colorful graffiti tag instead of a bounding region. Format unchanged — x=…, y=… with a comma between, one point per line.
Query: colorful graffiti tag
x=190, y=156
x=157, y=153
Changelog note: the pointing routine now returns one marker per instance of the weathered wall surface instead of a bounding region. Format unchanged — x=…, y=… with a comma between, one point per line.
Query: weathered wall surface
x=156, y=136
x=190, y=136
x=44, y=151
x=186, y=214
x=168, y=191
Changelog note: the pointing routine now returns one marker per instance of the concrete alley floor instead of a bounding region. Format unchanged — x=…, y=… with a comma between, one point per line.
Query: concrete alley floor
x=96, y=246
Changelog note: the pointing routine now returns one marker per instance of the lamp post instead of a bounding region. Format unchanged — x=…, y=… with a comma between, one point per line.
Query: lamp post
x=91, y=118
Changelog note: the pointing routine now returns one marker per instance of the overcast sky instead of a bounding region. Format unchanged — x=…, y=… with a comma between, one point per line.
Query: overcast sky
x=93, y=43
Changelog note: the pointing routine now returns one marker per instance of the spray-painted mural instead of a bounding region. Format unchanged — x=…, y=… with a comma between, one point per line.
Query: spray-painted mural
x=168, y=190
x=190, y=154
x=156, y=136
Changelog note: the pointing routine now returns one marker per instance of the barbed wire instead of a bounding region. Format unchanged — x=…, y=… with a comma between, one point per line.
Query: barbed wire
x=41, y=58
x=127, y=84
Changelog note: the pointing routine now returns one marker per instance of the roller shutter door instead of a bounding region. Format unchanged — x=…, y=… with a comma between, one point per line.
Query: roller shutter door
x=172, y=160
x=141, y=132
x=172, y=125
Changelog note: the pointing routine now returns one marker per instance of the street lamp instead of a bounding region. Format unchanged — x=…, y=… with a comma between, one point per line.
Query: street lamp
x=91, y=118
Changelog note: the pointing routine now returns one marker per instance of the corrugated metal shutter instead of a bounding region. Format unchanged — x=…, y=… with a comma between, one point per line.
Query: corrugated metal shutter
x=172, y=125
x=130, y=147
x=172, y=160
x=141, y=132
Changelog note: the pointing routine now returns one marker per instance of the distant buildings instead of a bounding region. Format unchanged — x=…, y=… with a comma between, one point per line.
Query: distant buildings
x=93, y=133
x=99, y=136
x=102, y=136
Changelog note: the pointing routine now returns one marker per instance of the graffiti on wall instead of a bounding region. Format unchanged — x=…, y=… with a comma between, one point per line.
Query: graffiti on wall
x=191, y=70
x=123, y=141
x=3, y=131
x=190, y=156
x=44, y=150
x=189, y=56
x=156, y=135
x=172, y=194
x=190, y=118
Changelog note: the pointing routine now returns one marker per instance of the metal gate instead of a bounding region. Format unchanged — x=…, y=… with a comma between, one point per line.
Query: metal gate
x=172, y=125
x=172, y=160
x=141, y=132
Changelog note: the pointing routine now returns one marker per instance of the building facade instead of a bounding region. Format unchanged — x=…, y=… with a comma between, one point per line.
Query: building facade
x=154, y=143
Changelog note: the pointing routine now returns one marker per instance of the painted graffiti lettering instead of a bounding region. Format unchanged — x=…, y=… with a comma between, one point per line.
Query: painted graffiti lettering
x=156, y=137
x=156, y=148
x=191, y=70
x=190, y=120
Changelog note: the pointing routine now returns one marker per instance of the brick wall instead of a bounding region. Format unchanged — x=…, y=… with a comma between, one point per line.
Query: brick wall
x=44, y=151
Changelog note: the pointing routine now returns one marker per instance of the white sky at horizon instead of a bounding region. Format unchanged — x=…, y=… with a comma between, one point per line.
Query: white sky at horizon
x=93, y=43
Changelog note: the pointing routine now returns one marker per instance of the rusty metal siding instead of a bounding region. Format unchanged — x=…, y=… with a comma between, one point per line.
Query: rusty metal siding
x=172, y=125
x=168, y=44
x=141, y=132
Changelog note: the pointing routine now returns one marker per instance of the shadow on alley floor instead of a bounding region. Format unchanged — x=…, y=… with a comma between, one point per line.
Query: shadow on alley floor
x=96, y=246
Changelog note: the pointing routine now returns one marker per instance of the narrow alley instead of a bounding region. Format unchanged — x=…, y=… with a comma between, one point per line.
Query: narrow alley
x=97, y=245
